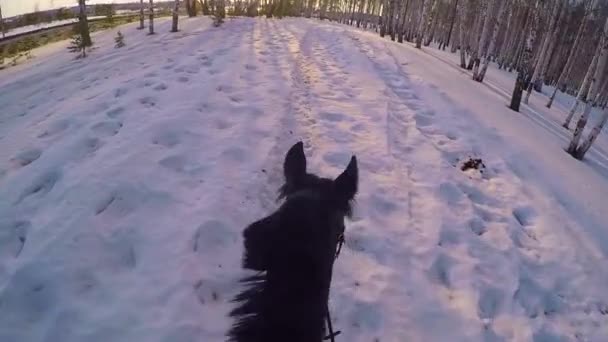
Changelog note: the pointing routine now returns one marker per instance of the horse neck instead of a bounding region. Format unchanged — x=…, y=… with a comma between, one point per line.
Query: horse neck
x=297, y=296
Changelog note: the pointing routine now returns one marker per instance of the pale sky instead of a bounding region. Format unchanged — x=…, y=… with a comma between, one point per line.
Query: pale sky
x=14, y=7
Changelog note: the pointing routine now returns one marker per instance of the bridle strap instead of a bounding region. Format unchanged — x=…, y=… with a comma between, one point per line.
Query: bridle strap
x=332, y=335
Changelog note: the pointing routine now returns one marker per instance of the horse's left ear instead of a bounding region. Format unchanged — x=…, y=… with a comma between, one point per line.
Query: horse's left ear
x=346, y=184
x=294, y=166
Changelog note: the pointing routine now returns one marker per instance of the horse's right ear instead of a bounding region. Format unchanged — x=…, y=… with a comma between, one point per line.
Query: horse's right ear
x=294, y=166
x=347, y=183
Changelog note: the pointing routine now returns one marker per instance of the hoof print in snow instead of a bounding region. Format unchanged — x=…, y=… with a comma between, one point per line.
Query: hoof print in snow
x=183, y=79
x=439, y=271
x=160, y=87
x=525, y=216
x=167, y=139
x=40, y=186
x=26, y=157
x=211, y=235
x=120, y=92
x=114, y=113
x=13, y=235
x=477, y=226
x=206, y=292
x=235, y=154
x=148, y=101
x=106, y=128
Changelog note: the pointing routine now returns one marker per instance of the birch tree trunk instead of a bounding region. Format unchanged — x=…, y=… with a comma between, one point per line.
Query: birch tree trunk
x=84, y=23
x=554, y=35
x=523, y=74
x=595, y=131
x=2, y=24
x=481, y=51
x=543, y=51
x=570, y=60
x=497, y=23
x=141, y=15
x=583, y=90
x=151, y=17
x=452, y=22
x=423, y=23
x=175, y=16
x=593, y=89
x=462, y=10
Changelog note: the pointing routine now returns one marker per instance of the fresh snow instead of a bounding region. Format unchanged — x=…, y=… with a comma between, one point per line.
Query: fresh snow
x=126, y=179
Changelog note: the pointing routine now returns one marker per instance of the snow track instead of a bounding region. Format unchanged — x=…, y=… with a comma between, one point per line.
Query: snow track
x=127, y=178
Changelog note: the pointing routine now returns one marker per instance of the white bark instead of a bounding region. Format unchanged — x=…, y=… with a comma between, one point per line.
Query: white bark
x=595, y=131
x=499, y=19
x=583, y=90
x=593, y=89
x=151, y=17
x=423, y=24
x=462, y=10
x=141, y=15
x=566, y=70
x=543, y=51
x=481, y=51
x=2, y=24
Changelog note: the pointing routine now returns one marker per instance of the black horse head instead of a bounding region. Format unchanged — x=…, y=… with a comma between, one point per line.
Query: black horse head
x=294, y=248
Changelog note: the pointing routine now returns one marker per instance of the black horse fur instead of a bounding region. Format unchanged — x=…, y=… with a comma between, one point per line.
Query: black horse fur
x=293, y=249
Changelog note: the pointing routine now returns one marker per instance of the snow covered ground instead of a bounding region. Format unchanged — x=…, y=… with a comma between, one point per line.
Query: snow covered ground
x=126, y=180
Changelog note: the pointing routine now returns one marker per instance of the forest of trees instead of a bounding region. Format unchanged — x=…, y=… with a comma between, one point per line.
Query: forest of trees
x=561, y=43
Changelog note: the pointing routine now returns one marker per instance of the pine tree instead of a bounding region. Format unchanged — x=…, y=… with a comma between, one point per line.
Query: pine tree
x=119, y=40
x=78, y=45
x=84, y=24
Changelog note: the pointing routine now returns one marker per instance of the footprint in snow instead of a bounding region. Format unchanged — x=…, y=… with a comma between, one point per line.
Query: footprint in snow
x=13, y=235
x=148, y=101
x=106, y=128
x=333, y=117
x=213, y=235
x=181, y=164
x=167, y=138
x=525, y=215
x=160, y=87
x=41, y=185
x=115, y=112
x=235, y=154
x=120, y=92
x=55, y=128
x=26, y=157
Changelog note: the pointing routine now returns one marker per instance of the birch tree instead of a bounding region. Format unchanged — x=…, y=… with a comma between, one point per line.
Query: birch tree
x=523, y=74
x=573, y=51
x=423, y=23
x=175, y=16
x=141, y=15
x=501, y=9
x=151, y=17
x=2, y=24
x=481, y=51
x=462, y=13
x=576, y=151
x=84, y=23
x=543, y=51
x=583, y=89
